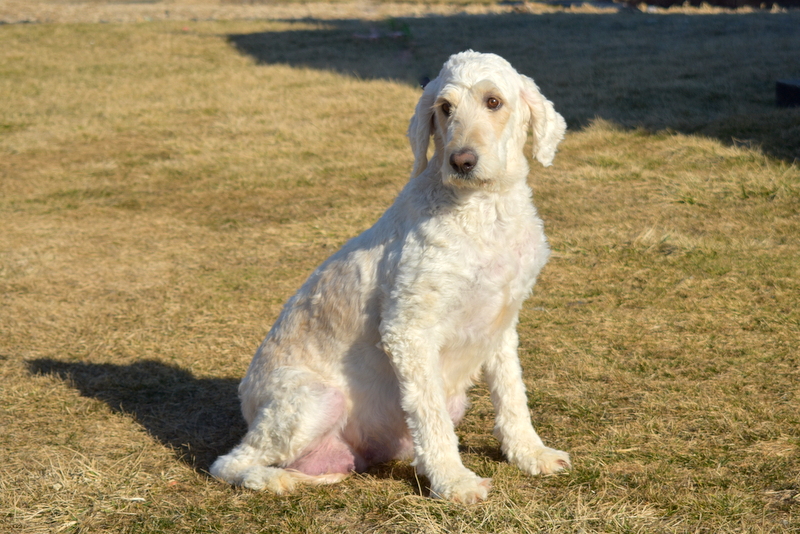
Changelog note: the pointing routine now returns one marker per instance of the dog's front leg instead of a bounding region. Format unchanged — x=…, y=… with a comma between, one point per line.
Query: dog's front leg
x=513, y=427
x=415, y=359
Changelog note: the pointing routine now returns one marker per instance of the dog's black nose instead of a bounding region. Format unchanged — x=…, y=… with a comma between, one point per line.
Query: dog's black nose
x=463, y=161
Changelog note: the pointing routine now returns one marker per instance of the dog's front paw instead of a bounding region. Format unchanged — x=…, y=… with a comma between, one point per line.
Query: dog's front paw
x=543, y=461
x=466, y=489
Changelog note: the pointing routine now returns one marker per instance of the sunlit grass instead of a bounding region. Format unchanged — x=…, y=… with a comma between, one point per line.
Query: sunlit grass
x=163, y=190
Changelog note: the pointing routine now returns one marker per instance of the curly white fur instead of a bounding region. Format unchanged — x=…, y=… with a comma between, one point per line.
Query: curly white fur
x=371, y=359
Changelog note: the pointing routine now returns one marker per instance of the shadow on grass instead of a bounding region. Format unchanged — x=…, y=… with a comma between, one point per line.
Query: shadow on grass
x=710, y=75
x=198, y=417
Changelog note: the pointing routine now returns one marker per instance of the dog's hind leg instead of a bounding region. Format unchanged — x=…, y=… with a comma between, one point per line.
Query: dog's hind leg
x=293, y=436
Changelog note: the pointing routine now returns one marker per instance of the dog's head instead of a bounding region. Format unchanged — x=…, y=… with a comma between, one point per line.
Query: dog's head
x=479, y=110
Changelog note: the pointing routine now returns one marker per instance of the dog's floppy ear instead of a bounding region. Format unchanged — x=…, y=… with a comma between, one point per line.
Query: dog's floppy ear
x=421, y=126
x=547, y=125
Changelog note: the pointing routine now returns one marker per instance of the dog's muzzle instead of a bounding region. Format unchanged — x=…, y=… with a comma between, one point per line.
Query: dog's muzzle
x=464, y=161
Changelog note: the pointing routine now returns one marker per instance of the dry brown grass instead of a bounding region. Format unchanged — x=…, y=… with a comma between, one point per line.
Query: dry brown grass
x=163, y=193
x=49, y=11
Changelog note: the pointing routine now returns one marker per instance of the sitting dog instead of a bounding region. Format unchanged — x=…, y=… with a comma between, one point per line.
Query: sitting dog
x=372, y=358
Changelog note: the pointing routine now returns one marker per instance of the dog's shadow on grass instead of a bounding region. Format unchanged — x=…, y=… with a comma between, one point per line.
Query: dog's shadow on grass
x=198, y=417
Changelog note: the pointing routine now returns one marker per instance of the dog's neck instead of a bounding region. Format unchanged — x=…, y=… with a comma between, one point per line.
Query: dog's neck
x=478, y=203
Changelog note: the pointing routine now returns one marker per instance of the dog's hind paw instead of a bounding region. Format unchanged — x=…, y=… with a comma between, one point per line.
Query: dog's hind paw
x=272, y=479
x=466, y=490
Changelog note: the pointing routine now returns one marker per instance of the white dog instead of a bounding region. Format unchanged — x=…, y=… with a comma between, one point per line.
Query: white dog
x=372, y=358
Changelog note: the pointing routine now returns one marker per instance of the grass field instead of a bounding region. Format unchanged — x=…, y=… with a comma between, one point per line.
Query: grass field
x=166, y=185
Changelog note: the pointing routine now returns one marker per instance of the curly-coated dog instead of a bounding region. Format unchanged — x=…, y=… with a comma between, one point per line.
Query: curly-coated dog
x=372, y=358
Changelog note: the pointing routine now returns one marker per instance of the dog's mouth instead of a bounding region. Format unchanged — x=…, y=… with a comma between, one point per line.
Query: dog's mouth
x=466, y=181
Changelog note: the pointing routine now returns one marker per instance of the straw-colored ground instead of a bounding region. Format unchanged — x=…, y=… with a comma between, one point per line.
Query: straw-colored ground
x=166, y=185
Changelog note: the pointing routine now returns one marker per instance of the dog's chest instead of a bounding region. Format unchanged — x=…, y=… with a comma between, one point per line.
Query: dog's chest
x=499, y=273
x=502, y=266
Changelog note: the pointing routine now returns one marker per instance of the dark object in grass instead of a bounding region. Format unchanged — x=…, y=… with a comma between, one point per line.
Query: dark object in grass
x=787, y=93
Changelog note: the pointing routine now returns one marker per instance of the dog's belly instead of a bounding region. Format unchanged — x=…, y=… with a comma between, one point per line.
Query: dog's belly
x=379, y=435
x=376, y=426
x=397, y=447
x=377, y=429
x=381, y=442
x=331, y=455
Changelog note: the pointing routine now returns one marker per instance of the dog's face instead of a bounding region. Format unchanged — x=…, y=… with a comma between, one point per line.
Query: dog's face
x=479, y=110
x=478, y=130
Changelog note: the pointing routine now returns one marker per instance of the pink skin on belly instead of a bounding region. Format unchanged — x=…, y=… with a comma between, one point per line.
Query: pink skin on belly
x=331, y=455
x=334, y=455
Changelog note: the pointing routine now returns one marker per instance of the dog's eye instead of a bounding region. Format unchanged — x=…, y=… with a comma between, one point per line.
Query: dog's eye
x=446, y=108
x=492, y=103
